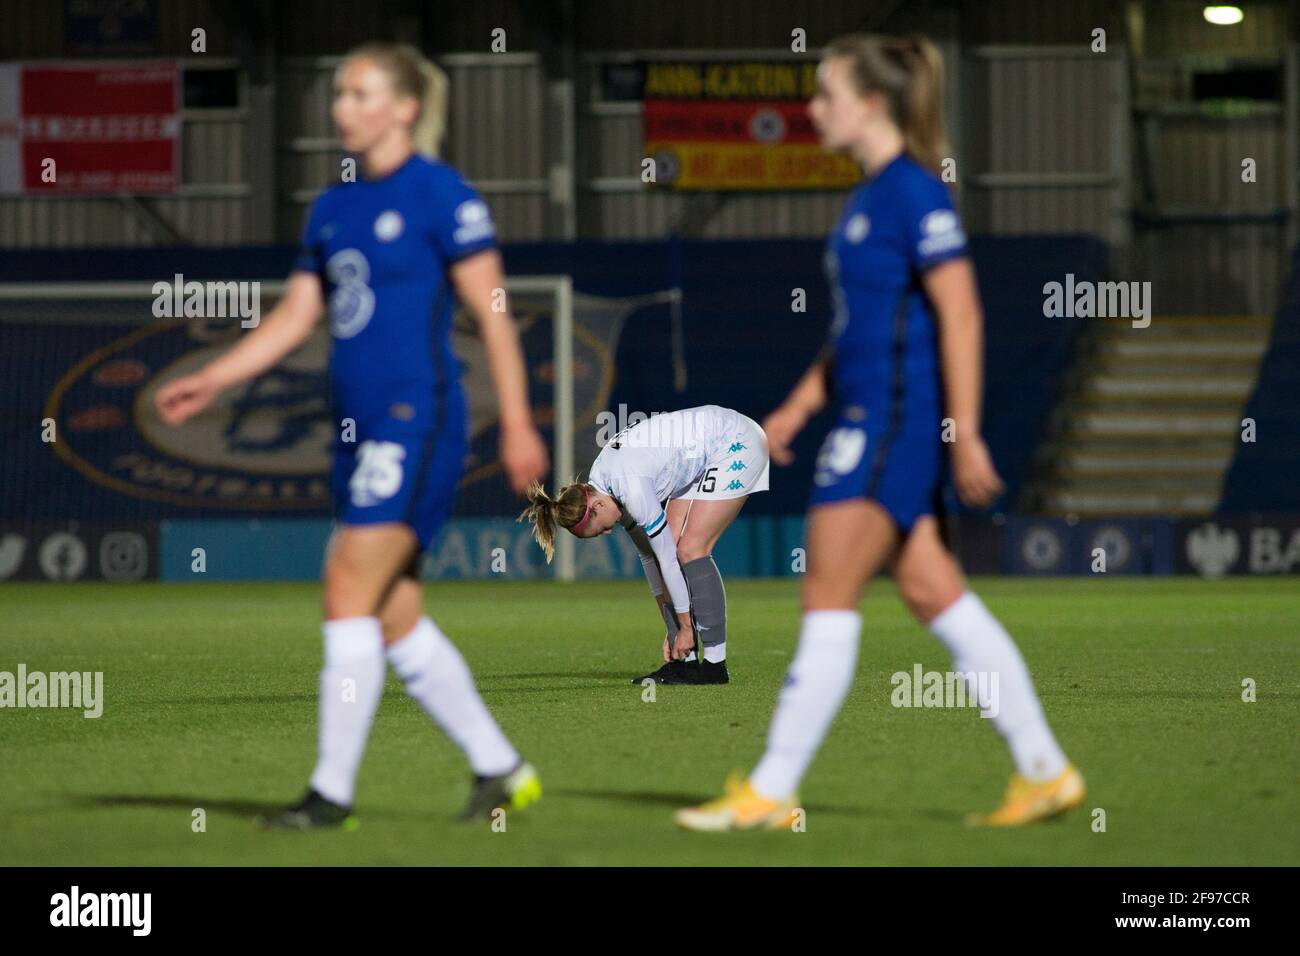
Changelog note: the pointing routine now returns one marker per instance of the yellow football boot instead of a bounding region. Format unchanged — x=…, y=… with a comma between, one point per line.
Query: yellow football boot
x=740, y=808
x=1027, y=801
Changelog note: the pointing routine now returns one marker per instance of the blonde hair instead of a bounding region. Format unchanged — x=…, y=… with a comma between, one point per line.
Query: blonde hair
x=549, y=514
x=908, y=72
x=413, y=74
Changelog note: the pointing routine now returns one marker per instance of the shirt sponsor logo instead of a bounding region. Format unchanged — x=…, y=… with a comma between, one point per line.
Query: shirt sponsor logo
x=475, y=222
x=352, y=302
x=940, y=232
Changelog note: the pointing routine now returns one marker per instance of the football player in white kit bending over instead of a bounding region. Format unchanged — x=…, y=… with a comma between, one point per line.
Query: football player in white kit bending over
x=675, y=481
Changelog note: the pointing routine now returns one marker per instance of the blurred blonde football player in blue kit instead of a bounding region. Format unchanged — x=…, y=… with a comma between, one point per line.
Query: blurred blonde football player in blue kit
x=905, y=353
x=388, y=252
x=675, y=482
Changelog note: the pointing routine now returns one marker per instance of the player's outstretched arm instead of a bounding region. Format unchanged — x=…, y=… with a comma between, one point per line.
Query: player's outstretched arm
x=480, y=283
x=952, y=291
x=281, y=331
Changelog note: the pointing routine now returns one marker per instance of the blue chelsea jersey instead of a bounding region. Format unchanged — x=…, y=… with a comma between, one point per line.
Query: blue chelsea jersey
x=382, y=248
x=895, y=226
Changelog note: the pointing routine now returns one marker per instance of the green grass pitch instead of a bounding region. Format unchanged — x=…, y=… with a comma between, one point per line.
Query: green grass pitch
x=210, y=702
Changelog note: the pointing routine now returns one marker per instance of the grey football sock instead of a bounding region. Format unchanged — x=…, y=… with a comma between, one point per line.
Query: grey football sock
x=708, y=600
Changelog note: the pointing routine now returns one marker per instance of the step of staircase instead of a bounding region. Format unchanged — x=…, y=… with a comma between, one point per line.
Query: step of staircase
x=1168, y=388
x=1088, y=424
x=1151, y=504
x=1084, y=464
x=1203, y=324
x=1161, y=348
x=1154, y=420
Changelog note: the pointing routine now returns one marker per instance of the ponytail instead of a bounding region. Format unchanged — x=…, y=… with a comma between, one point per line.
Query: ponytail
x=413, y=74
x=549, y=514
x=922, y=123
x=432, y=124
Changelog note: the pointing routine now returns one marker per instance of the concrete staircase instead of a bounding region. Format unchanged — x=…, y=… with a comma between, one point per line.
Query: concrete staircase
x=1152, y=418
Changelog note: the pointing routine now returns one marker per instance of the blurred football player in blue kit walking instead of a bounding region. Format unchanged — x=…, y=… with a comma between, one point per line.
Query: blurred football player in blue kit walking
x=388, y=252
x=903, y=361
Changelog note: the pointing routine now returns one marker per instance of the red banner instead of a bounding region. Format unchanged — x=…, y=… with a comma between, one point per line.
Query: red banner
x=90, y=127
x=728, y=122
x=737, y=126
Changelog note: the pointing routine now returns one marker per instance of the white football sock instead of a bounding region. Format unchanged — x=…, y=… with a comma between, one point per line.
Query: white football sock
x=351, y=684
x=438, y=679
x=815, y=685
x=715, y=653
x=980, y=644
x=689, y=657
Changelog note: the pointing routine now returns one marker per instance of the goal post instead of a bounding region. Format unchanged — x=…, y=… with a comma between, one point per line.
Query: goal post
x=561, y=288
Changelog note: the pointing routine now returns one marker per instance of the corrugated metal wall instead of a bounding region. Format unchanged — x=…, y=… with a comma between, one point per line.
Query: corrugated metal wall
x=307, y=156
x=1046, y=141
x=497, y=135
x=1197, y=162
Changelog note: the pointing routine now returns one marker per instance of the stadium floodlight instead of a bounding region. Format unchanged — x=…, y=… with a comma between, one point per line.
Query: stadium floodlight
x=1222, y=15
